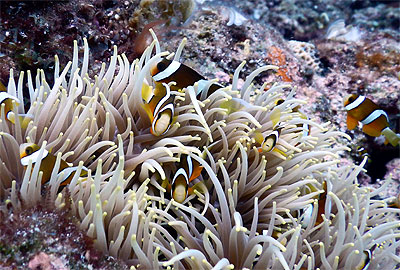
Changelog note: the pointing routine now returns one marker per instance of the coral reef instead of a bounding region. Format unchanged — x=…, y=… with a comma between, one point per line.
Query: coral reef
x=34, y=31
x=247, y=195
x=43, y=237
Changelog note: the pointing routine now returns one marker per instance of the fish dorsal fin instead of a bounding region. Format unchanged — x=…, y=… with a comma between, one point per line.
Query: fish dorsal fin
x=351, y=122
x=196, y=172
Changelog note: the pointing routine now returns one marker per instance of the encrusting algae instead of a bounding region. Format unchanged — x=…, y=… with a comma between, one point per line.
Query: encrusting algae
x=252, y=205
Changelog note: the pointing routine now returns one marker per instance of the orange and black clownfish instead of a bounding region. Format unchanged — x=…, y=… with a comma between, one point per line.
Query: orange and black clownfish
x=173, y=71
x=160, y=109
x=189, y=169
x=31, y=151
x=374, y=120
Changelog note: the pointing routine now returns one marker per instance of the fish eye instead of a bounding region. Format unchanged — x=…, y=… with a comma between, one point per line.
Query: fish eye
x=279, y=101
x=161, y=66
x=351, y=99
x=28, y=150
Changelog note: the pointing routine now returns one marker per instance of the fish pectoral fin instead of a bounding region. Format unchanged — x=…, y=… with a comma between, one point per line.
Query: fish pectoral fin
x=351, y=122
x=258, y=137
x=173, y=121
x=371, y=130
x=148, y=111
x=160, y=90
x=196, y=173
x=200, y=187
x=147, y=92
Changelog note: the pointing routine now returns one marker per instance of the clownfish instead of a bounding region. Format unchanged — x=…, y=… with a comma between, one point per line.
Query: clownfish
x=308, y=210
x=267, y=143
x=160, y=109
x=363, y=153
x=173, y=71
x=7, y=100
x=374, y=120
x=31, y=151
x=189, y=169
x=366, y=260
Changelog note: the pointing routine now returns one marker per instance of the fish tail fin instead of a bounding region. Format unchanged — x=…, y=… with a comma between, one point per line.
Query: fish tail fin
x=166, y=185
x=275, y=116
x=391, y=136
x=25, y=119
x=230, y=106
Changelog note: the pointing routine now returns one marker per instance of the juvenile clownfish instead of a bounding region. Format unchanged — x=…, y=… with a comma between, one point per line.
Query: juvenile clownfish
x=7, y=100
x=189, y=169
x=31, y=151
x=173, y=71
x=306, y=217
x=363, y=153
x=267, y=143
x=366, y=260
x=160, y=110
x=374, y=120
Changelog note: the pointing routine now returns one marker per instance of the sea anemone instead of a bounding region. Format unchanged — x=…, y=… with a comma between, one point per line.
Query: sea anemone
x=251, y=209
